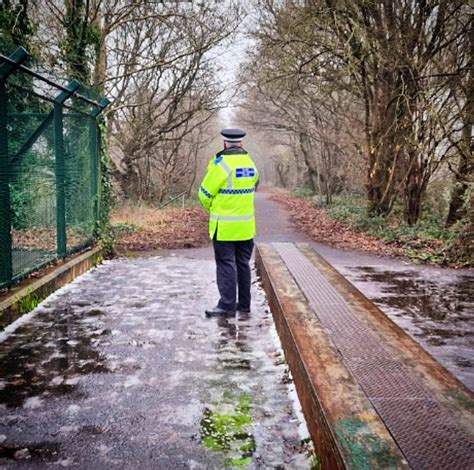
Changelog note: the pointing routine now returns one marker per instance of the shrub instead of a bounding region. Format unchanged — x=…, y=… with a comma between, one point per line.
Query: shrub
x=428, y=233
x=302, y=192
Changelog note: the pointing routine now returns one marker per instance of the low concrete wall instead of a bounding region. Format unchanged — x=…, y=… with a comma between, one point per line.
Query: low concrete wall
x=26, y=296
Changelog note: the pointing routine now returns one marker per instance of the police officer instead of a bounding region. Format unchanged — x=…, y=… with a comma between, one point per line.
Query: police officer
x=227, y=192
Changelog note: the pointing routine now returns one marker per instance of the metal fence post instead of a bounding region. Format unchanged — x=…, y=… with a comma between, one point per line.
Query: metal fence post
x=60, y=173
x=104, y=102
x=6, y=269
x=94, y=152
x=6, y=262
x=60, y=167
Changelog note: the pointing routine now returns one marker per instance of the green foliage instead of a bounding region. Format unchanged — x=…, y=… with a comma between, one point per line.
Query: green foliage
x=314, y=463
x=98, y=259
x=32, y=183
x=242, y=462
x=226, y=429
x=29, y=302
x=302, y=192
x=427, y=240
x=15, y=25
x=20, y=198
x=123, y=228
x=107, y=194
x=104, y=232
x=107, y=242
x=306, y=446
x=81, y=42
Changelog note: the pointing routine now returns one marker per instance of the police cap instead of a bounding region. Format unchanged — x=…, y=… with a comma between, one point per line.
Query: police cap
x=233, y=135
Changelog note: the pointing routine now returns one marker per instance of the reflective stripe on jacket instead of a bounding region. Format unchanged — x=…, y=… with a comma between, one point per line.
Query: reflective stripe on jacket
x=228, y=192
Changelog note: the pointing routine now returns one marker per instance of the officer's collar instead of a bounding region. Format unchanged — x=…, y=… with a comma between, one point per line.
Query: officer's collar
x=233, y=151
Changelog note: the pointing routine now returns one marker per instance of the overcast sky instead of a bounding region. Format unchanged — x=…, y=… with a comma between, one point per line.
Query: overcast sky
x=230, y=57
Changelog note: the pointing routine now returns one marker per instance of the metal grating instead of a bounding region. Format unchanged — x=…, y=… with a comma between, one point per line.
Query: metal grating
x=429, y=437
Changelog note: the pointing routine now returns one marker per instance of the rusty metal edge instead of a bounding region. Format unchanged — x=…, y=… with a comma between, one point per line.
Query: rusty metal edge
x=27, y=294
x=329, y=395
x=447, y=387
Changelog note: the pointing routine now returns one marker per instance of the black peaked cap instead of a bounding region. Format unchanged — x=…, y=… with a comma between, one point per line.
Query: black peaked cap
x=233, y=134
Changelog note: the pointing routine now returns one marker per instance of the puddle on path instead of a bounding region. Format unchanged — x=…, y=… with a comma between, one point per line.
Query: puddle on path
x=47, y=356
x=40, y=452
x=436, y=307
x=122, y=369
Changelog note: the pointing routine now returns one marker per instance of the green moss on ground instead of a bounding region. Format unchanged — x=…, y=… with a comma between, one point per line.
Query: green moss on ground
x=227, y=428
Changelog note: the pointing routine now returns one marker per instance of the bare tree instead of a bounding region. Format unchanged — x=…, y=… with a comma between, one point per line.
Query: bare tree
x=155, y=61
x=394, y=62
x=166, y=90
x=301, y=106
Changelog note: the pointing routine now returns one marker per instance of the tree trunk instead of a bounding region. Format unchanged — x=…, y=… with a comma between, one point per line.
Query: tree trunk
x=312, y=170
x=465, y=170
x=101, y=26
x=382, y=168
x=75, y=47
x=128, y=180
x=380, y=183
x=468, y=238
x=413, y=196
x=456, y=206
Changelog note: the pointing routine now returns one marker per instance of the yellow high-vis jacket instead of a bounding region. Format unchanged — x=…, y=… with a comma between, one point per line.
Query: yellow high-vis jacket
x=228, y=192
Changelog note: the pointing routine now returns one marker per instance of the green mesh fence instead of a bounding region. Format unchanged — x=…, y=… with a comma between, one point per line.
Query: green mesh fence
x=49, y=167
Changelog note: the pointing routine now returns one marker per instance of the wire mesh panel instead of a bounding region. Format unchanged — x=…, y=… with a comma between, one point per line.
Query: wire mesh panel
x=32, y=193
x=80, y=190
x=49, y=151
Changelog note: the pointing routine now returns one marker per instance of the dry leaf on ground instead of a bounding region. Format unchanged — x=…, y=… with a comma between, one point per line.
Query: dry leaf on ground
x=319, y=226
x=169, y=228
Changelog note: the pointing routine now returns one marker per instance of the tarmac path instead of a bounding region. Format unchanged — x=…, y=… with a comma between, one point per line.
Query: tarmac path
x=121, y=369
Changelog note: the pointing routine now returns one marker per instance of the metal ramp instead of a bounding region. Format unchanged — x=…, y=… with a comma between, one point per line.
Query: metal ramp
x=373, y=398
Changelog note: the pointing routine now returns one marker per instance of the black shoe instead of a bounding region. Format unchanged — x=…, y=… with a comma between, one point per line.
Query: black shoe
x=217, y=311
x=243, y=310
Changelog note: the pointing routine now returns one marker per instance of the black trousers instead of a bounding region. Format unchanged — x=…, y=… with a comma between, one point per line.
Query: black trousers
x=233, y=273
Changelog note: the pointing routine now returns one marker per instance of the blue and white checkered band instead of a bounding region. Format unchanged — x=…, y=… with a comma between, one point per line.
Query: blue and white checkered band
x=245, y=172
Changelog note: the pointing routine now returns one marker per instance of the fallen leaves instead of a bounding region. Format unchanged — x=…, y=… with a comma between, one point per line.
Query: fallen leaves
x=168, y=228
x=316, y=223
x=44, y=238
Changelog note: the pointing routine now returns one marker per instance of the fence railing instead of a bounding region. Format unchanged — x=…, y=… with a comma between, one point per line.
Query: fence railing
x=49, y=167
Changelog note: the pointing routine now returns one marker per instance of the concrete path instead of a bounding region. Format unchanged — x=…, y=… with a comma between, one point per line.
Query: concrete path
x=121, y=369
